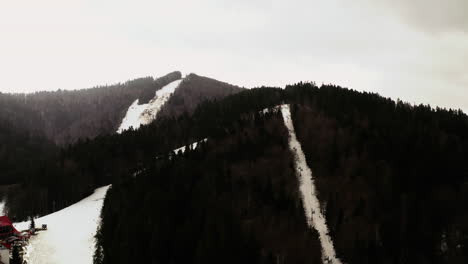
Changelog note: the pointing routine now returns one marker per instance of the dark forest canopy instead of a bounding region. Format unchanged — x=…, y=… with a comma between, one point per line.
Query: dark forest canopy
x=392, y=177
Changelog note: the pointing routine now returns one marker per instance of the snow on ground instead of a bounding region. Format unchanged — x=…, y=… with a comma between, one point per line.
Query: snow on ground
x=273, y=109
x=311, y=204
x=132, y=117
x=2, y=206
x=143, y=114
x=70, y=235
x=193, y=146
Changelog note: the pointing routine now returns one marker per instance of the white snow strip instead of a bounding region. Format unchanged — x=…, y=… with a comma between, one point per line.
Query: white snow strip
x=144, y=114
x=2, y=206
x=193, y=146
x=132, y=117
x=310, y=201
x=70, y=235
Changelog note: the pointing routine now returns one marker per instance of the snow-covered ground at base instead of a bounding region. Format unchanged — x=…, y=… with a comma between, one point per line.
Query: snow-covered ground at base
x=143, y=114
x=311, y=204
x=69, y=238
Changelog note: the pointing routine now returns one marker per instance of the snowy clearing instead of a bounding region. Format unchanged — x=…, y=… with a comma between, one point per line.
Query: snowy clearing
x=143, y=114
x=70, y=235
x=310, y=201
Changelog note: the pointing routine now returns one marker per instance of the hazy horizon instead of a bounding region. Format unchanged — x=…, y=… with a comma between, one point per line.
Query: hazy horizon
x=413, y=51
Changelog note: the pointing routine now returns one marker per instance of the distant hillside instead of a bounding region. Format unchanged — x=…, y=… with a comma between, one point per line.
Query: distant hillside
x=65, y=116
x=33, y=127
x=193, y=90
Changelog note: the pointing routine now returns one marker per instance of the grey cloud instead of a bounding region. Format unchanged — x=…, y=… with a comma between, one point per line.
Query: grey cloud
x=431, y=15
x=375, y=45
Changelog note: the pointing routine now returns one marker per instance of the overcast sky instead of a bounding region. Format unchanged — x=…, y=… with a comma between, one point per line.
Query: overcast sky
x=415, y=50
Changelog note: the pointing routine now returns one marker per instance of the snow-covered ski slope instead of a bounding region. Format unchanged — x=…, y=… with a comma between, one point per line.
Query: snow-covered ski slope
x=311, y=204
x=143, y=114
x=70, y=235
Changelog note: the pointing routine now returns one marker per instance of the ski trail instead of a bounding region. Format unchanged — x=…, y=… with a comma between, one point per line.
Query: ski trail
x=311, y=204
x=144, y=114
x=132, y=117
x=70, y=235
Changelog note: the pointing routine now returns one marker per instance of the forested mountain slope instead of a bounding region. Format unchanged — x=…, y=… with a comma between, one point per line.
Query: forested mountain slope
x=37, y=127
x=391, y=179
x=75, y=171
x=53, y=177
x=176, y=98
x=65, y=116
x=193, y=90
x=232, y=198
x=394, y=177
x=20, y=150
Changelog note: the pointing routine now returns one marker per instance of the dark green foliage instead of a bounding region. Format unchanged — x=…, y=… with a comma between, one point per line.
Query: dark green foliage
x=192, y=91
x=20, y=151
x=78, y=169
x=234, y=199
x=16, y=255
x=54, y=178
x=393, y=176
x=32, y=224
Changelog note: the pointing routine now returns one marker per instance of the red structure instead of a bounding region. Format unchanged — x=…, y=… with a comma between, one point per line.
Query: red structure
x=8, y=233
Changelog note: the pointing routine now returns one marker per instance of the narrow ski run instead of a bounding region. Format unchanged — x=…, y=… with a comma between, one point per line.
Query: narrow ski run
x=314, y=216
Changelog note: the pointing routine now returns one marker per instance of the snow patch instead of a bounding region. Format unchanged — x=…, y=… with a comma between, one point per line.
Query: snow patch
x=2, y=207
x=70, y=235
x=311, y=204
x=274, y=109
x=132, y=117
x=144, y=114
x=193, y=146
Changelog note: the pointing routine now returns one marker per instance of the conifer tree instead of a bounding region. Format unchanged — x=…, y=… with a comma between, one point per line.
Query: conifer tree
x=15, y=255
x=32, y=224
